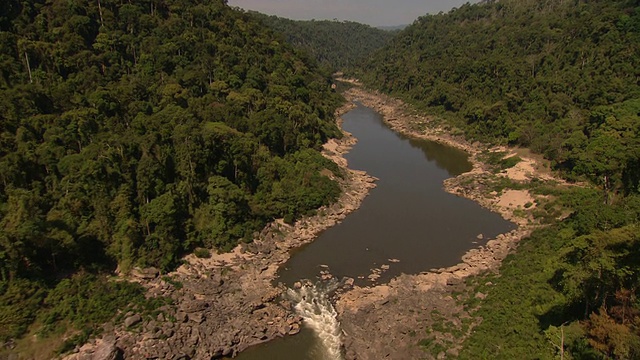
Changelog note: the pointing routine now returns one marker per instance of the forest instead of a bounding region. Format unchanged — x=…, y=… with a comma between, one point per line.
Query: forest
x=336, y=45
x=132, y=133
x=563, y=79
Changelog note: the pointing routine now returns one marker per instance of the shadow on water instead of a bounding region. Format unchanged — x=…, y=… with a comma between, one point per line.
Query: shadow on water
x=451, y=160
x=303, y=346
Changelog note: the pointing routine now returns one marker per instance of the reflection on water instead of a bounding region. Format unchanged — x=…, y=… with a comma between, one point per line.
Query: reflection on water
x=452, y=160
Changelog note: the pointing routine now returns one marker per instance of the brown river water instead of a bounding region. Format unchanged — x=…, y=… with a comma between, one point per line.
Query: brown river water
x=408, y=223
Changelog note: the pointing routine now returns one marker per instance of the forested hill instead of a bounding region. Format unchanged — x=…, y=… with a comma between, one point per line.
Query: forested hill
x=132, y=132
x=339, y=45
x=560, y=77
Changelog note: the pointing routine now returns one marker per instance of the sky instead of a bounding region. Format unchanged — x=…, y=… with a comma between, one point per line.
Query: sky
x=371, y=12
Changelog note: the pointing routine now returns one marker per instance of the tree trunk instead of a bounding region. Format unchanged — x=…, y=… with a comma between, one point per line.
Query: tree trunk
x=100, y=12
x=26, y=57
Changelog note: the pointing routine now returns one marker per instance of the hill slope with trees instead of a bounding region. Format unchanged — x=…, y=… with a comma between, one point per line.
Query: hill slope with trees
x=562, y=78
x=133, y=132
x=559, y=77
x=338, y=45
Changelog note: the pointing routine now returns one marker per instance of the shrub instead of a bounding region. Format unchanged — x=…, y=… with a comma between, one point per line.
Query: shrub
x=202, y=253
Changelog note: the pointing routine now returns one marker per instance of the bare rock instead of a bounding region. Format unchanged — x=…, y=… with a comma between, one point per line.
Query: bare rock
x=132, y=320
x=194, y=306
x=146, y=273
x=295, y=328
x=106, y=350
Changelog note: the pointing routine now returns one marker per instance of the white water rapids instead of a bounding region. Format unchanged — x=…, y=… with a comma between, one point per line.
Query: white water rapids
x=313, y=305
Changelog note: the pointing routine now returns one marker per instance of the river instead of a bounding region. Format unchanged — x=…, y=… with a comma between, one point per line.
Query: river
x=408, y=224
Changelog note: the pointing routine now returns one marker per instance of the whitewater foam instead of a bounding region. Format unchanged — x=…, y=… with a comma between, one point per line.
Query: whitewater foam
x=313, y=305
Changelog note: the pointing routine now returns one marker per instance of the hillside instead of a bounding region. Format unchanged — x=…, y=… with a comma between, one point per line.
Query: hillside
x=338, y=45
x=133, y=133
x=561, y=78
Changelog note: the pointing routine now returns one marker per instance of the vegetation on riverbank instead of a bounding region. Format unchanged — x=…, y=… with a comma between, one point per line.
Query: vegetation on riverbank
x=558, y=77
x=561, y=78
x=133, y=133
x=570, y=282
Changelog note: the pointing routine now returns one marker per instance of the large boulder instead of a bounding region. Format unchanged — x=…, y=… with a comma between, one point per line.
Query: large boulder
x=146, y=273
x=107, y=351
x=132, y=320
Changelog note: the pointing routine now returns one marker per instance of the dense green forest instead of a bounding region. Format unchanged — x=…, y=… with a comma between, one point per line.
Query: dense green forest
x=338, y=45
x=133, y=132
x=559, y=77
x=562, y=78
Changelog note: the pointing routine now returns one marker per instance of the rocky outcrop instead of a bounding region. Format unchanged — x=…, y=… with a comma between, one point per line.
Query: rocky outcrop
x=104, y=349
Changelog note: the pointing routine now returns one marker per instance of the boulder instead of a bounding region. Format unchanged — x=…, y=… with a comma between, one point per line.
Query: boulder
x=295, y=328
x=146, y=273
x=193, y=306
x=132, y=320
x=106, y=350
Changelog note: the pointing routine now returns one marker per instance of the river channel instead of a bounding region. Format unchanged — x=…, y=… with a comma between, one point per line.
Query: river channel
x=407, y=224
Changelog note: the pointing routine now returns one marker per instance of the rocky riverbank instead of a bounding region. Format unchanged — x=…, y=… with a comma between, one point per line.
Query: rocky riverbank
x=388, y=321
x=226, y=303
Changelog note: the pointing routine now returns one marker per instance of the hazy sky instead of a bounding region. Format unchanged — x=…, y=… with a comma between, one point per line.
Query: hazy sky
x=372, y=12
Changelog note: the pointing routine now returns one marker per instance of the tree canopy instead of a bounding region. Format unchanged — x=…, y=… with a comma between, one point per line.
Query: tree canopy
x=338, y=45
x=562, y=78
x=133, y=132
x=559, y=77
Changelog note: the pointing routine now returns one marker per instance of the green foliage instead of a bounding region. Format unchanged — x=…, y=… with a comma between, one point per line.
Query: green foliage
x=202, y=253
x=559, y=77
x=19, y=302
x=134, y=132
x=509, y=162
x=140, y=131
x=85, y=300
x=339, y=45
x=561, y=277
